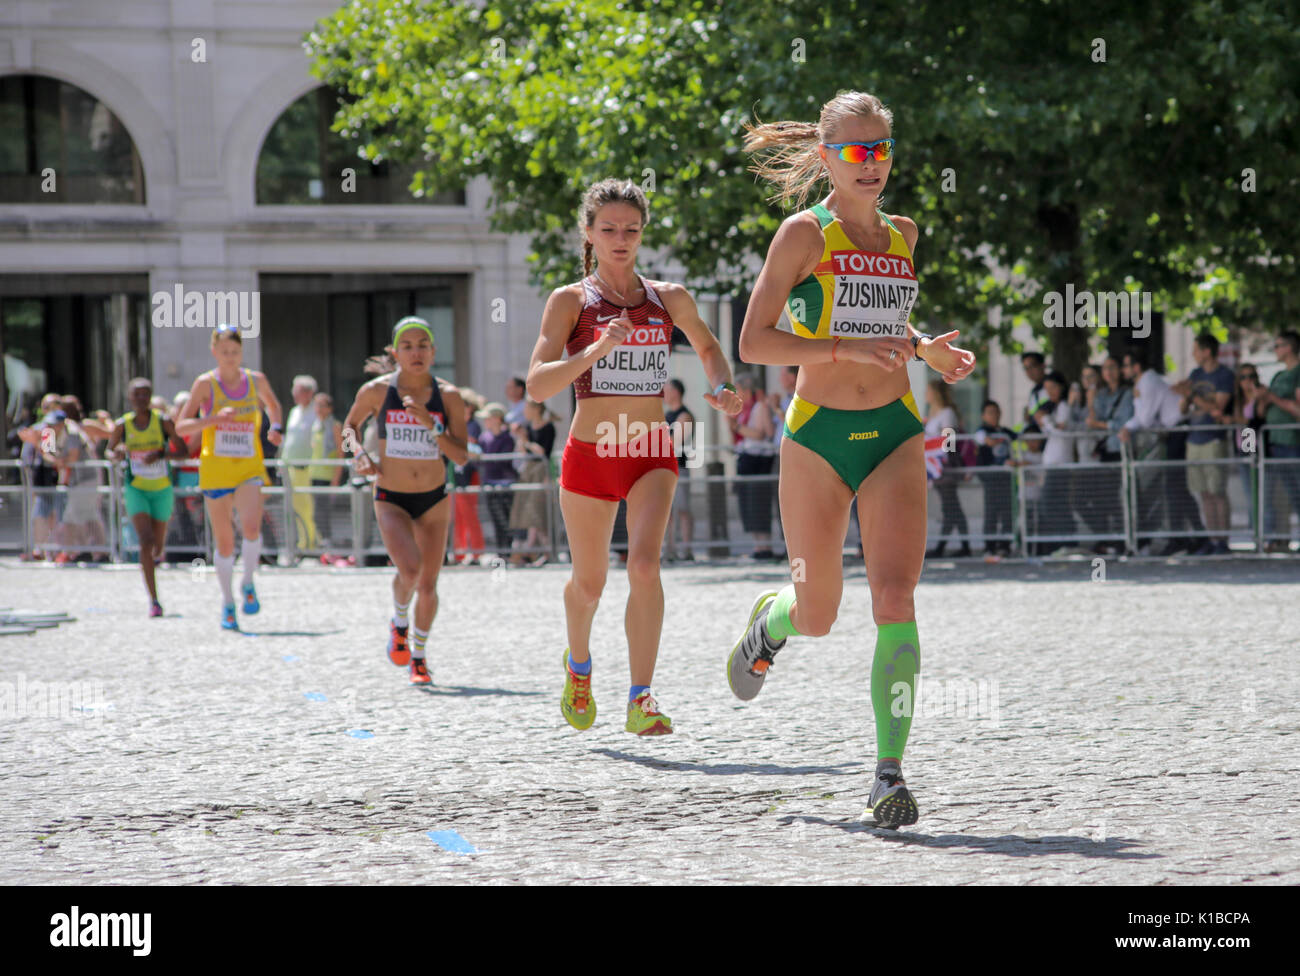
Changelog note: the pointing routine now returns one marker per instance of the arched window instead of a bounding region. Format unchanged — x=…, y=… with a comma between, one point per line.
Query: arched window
x=60, y=144
x=303, y=162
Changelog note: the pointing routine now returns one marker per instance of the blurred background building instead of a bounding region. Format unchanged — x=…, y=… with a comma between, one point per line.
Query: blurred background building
x=147, y=145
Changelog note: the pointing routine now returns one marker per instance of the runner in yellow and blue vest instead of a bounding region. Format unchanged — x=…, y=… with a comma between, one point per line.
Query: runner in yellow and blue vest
x=843, y=271
x=231, y=468
x=141, y=437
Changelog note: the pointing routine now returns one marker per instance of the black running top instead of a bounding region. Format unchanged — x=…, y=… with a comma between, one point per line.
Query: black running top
x=403, y=435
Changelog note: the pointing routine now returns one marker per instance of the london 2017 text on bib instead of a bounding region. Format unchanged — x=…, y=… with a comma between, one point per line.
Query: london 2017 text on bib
x=637, y=367
x=874, y=294
x=407, y=438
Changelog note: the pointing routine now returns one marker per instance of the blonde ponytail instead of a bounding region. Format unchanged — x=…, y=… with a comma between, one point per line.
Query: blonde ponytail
x=789, y=160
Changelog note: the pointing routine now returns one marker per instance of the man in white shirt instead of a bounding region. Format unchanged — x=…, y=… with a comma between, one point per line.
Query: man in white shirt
x=1168, y=503
x=297, y=447
x=1154, y=403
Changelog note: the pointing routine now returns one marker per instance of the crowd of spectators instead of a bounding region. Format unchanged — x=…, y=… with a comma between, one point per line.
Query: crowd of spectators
x=1072, y=433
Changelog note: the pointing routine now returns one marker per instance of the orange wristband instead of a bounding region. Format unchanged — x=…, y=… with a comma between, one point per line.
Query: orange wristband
x=834, y=346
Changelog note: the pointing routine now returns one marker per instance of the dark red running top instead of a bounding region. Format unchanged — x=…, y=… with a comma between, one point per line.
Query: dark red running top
x=638, y=367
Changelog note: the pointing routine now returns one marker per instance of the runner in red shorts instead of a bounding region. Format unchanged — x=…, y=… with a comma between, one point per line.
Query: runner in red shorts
x=616, y=327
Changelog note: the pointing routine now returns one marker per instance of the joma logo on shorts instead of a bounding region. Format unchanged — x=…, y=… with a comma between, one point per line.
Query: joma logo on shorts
x=863, y=435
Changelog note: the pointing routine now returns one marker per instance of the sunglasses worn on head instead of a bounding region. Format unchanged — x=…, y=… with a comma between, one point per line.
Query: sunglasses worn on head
x=860, y=152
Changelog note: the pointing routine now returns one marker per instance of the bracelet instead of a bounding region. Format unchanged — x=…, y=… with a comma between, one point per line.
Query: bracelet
x=717, y=390
x=834, y=346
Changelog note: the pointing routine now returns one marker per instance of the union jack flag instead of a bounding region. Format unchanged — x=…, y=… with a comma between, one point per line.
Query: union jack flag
x=934, y=453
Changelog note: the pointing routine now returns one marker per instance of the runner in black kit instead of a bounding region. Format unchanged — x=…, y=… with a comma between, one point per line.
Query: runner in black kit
x=421, y=420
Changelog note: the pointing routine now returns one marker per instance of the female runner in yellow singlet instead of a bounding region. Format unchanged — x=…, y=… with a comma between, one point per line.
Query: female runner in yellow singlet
x=225, y=404
x=843, y=272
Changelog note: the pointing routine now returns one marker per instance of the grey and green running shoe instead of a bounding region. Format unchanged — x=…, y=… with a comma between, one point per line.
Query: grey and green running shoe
x=752, y=656
x=891, y=805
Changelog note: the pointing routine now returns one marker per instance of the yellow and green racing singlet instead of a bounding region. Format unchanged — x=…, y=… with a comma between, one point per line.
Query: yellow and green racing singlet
x=854, y=294
x=146, y=475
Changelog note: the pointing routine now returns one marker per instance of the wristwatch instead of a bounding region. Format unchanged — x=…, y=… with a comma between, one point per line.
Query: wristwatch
x=717, y=390
x=916, y=342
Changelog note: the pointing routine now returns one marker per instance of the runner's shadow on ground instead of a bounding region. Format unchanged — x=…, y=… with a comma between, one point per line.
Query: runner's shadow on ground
x=732, y=769
x=457, y=691
x=1012, y=845
x=288, y=633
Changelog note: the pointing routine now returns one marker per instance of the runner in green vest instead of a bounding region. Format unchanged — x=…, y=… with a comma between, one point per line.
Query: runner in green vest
x=141, y=438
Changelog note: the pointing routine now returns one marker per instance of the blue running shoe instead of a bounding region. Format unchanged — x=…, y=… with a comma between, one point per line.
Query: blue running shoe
x=228, y=621
x=251, y=606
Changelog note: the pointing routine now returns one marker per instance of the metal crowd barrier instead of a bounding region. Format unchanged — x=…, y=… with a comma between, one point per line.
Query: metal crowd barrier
x=1131, y=504
x=1022, y=508
x=362, y=531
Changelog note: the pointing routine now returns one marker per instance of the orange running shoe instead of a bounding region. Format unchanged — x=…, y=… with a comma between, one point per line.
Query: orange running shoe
x=398, y=652
x=419, y=672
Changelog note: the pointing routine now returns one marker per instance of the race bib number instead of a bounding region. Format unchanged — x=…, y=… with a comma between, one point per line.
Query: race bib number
x=637, y=367
x=142, y=468
x=409, y=439
x=234, y=439
x=874, y=294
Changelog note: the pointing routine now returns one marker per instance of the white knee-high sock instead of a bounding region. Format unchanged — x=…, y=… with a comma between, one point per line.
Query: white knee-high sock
x=252, y=554
x=225, y=576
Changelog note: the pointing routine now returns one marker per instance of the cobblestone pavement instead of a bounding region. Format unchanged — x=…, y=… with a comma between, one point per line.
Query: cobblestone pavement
x=1140, y=730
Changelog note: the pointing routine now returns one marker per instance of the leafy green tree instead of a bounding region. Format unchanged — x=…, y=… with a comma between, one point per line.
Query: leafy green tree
x=1041, y=143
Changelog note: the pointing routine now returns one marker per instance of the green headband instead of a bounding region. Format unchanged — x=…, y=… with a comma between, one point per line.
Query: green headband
x=412, y=322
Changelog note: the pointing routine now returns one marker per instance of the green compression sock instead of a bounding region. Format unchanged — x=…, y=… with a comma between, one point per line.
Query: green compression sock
x=893, y=686
x=779, y=626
